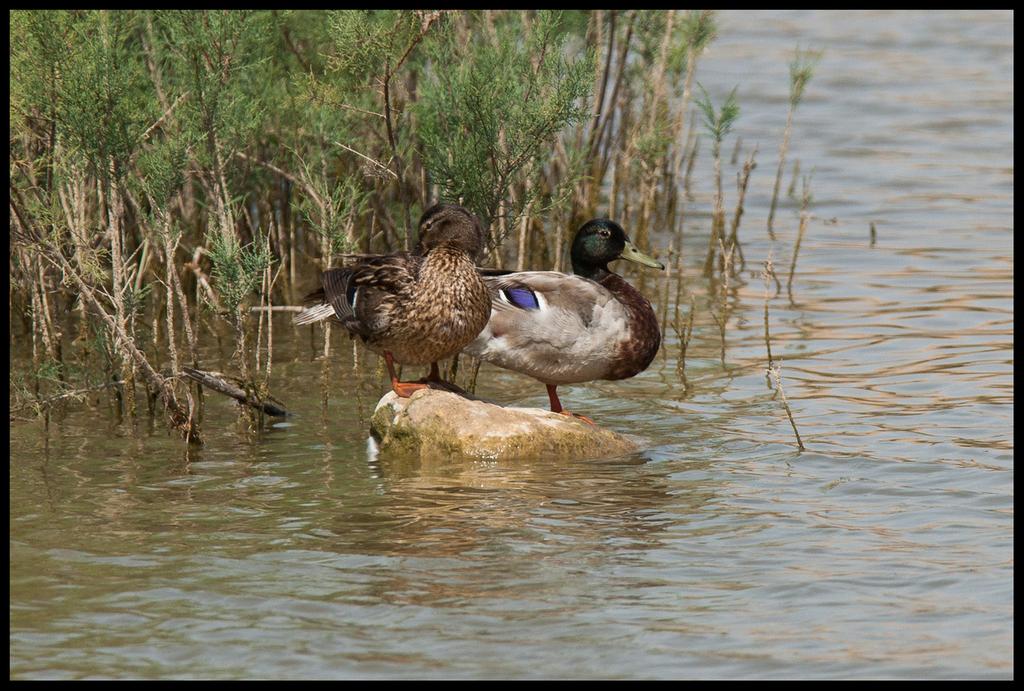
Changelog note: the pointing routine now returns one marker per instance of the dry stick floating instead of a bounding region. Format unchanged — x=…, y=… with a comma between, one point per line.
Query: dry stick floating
x=211, y=380
x=874, y=234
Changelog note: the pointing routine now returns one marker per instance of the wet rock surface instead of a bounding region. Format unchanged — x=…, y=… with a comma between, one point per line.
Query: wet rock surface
x=438, y=423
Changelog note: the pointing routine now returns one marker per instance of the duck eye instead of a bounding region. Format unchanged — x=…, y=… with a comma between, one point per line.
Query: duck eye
x=605, y=234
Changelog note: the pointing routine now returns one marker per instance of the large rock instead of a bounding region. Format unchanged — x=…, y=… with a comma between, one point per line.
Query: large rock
x=433, y=422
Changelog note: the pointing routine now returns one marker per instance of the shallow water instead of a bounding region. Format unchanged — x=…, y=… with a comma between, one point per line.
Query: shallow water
x=883, y=550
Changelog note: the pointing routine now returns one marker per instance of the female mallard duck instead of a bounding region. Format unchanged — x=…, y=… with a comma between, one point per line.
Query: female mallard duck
x=413, y=308
x=565, y=329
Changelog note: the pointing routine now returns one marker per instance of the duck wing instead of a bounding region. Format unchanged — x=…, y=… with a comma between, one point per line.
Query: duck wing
x=550, y=295
x=555, y=327
x=363, y=296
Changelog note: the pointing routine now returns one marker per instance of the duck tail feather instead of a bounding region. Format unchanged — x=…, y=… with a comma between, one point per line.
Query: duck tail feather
x=312, y=315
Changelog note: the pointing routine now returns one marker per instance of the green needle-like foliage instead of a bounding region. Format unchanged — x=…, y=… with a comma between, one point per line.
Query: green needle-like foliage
x=165, y=159
x=237, y=269
x=694, y=32
x=719, y=123
x=800, y=72
x=489, y=107
x=801, y=69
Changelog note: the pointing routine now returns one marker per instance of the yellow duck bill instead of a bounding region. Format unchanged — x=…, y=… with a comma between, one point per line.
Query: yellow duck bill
x=631, y=253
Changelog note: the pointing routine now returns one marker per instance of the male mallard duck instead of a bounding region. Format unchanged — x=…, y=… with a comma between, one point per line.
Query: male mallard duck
x=565, y=329
x=413, y=308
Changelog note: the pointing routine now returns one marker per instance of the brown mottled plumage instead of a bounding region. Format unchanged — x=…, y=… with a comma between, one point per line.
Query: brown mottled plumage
x=414, y=309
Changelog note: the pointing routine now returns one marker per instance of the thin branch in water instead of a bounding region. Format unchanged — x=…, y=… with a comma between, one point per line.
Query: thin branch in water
x=804, y=218
x=721, y=315
x=735, y=151
x=215, y=381
x=800, y=72
x=683, y=334
x=741, y=187
x=791, y=192
x=691, y=159
x=775, y=372
x=270, y=322
x=39, y=405
x=718, y=123
x=667, y=282
x=768, y=271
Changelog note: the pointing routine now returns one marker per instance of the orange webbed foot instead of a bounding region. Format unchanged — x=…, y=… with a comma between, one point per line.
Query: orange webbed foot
x=583, y=418
x=405, y=389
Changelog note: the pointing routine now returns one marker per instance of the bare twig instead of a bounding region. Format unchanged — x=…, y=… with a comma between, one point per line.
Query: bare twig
x=684, y=334
x=213, y=381
x=768, y=272
x=804, y=218
x=375, y=162
x=277, y=308
x=741, y=187
x=160, y=121
x=775, y=372
x=76, y=394
x=180, y=418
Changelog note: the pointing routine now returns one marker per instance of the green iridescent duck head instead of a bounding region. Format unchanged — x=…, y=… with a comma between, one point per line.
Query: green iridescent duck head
x=601, y=241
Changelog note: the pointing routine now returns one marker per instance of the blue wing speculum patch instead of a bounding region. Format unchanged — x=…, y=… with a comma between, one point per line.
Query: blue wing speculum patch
x=524, y=298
